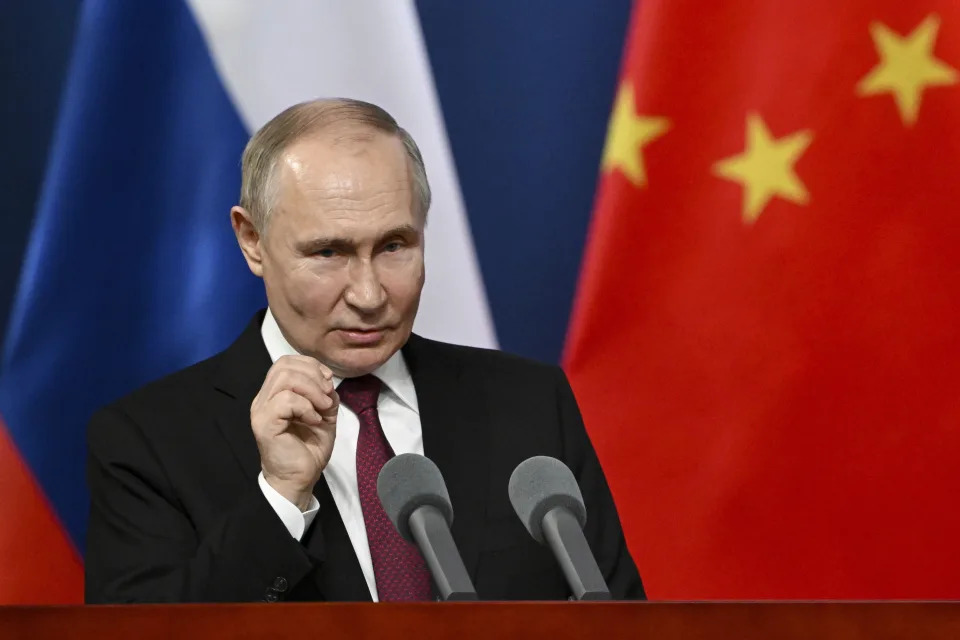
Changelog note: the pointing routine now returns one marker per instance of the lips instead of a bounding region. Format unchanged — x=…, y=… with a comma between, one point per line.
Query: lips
x=362, y=336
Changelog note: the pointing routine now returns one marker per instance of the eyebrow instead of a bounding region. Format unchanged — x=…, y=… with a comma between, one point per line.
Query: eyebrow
x=341, y=244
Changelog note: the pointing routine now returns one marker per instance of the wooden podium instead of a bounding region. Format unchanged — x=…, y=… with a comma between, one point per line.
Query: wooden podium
x=464, y=621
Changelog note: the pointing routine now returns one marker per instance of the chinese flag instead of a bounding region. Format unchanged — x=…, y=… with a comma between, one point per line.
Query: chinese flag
x=766, y=339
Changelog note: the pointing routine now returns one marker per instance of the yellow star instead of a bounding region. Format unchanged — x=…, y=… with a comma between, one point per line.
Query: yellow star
x=765, y=168
x=627, y=135
x=907, y=66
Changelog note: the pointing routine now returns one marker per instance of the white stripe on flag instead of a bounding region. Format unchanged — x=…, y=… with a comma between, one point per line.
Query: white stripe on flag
x=271, y=55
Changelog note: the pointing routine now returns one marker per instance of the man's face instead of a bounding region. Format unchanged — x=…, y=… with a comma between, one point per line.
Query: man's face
x=342, y=254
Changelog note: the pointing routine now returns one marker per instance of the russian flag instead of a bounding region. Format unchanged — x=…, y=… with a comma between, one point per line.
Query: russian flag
x=131, y=269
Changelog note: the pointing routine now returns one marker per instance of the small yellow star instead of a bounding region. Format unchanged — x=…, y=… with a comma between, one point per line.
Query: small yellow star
x=628, y=134
x=765, y=168
x=907, y=66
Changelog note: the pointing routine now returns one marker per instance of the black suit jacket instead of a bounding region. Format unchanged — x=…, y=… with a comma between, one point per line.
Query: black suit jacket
x=177, y=514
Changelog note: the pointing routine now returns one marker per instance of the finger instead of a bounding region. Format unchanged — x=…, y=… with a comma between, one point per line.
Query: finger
x=330, y=413
x=269, y=387
x=287, y=407
x=325, y=371
x=306, y=386
x=311, y=367
x=308, y=367
x=294, y=407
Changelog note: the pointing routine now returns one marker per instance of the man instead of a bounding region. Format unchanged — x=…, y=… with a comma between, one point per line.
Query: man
x=252, y=475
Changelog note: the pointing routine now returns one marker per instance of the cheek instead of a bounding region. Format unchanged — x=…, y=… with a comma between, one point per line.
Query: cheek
x=314, y=292
x=403, y=280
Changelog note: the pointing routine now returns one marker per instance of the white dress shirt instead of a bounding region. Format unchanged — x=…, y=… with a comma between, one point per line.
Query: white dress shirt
x=400, y=419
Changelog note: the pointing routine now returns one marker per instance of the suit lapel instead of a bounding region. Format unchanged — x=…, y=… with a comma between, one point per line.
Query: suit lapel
x=238, y=379
x=455, y=436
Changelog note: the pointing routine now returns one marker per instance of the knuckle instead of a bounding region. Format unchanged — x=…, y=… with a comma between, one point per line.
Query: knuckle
x=285, y=397
x=283, y=377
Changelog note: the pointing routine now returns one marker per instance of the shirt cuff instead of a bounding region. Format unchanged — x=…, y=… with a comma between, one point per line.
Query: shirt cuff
x=296, y=521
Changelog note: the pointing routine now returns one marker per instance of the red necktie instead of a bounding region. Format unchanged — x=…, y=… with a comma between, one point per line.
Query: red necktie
x=399, y=569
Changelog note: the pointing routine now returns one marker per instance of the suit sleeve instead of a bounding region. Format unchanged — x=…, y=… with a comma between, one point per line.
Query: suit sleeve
x=603, y=531
x=142, y=546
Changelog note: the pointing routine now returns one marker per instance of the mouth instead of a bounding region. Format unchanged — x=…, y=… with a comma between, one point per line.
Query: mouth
x=361, y=337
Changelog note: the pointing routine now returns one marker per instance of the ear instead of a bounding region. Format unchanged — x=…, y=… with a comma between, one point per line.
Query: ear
x=423, y=245
x=248, y=238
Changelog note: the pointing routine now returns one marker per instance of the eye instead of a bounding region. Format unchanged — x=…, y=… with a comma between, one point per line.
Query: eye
x=390, y=247
x=325, y=253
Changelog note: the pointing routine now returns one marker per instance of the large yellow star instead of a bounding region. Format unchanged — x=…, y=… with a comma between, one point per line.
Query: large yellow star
x=628, y=134
x=907, y=66
x=765, y=168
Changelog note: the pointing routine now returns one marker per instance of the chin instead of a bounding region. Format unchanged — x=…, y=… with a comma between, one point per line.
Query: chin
x=350, y=361
x=353, y=365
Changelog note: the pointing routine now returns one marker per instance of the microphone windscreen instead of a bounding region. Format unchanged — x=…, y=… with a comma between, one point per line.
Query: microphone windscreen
x=539, y=484
x=407, y=482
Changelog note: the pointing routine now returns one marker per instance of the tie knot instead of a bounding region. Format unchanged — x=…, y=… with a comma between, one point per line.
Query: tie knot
x=360, y=394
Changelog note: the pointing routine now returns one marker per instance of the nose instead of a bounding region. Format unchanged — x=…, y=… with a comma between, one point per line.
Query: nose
x=365, y=292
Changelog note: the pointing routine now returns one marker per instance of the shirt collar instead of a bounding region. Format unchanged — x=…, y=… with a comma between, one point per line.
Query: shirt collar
x=393, y=373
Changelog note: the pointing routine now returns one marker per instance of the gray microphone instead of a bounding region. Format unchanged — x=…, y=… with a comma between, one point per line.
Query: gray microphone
x=415, y=498
x=547, y=498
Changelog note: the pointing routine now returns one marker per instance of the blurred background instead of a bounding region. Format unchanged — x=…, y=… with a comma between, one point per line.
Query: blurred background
x=731, y=222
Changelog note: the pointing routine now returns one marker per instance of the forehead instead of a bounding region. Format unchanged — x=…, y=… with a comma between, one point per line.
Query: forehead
x=352, y=177
x=348, y=181
x=350, y=163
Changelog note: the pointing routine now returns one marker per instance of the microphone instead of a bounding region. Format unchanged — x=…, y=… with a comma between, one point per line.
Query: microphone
x=415, y=498
x=547, y=499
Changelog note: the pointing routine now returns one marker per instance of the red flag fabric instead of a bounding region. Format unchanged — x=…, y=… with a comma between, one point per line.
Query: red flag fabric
x=40, y=563
x=765, y=338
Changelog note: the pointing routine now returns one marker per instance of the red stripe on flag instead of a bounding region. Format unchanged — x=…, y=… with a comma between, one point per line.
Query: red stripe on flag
x=38, y=560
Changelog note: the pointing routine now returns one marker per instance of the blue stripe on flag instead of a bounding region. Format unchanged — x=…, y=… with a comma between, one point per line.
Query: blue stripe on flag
x=132, y=270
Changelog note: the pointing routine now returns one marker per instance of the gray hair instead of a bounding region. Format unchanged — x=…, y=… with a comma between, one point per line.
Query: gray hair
x=259, y=186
